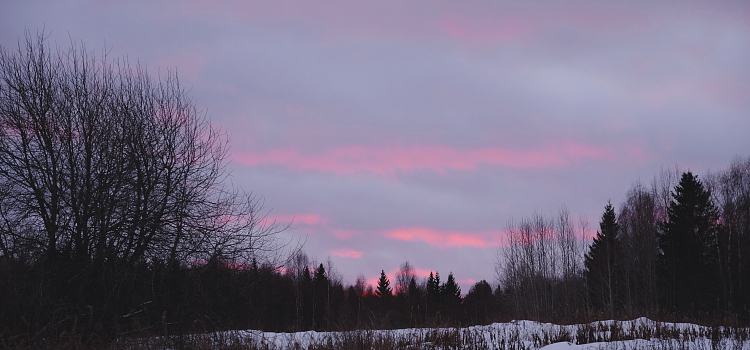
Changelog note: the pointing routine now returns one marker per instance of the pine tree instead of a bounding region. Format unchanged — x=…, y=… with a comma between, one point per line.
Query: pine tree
x=602, y=263
x=320, y=275
x=450, y=290
x=688, y=246
x=306, y=278
x=321, y=297
x=413, y=289
x=384, y=289
x=307, y=298
x=416, y=306
x=478, y=303
x=438, y=286
x=432, y=288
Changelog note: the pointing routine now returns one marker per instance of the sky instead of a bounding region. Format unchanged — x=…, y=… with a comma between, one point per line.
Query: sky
x=396, y=131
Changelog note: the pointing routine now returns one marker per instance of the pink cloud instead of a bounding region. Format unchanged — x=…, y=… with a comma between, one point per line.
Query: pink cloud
x=636, y=152
x=374, y=281
x=294, y=219
x=347, y=253
x=498, y=31
x=468, y=281
x=488, y=23
x=444, y=239
x=422, y=272
x=387, y=160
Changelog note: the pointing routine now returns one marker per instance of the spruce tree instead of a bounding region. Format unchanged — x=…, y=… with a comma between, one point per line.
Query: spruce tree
x=450, y=290
x=321, y=297
x=307, y=298
x=603, y=263
x=306, y=278
x=688, y=248
x=413, y=289
x=320, y=275
x=478, y=304
x=384, y=289
x=432, y=288
x=437, y=284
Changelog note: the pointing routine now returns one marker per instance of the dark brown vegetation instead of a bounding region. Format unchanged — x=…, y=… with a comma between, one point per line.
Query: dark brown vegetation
x=640, y=333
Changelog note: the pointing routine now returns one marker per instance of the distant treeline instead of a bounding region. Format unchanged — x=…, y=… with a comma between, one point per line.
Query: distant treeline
x=675, y=250
x=679, y=247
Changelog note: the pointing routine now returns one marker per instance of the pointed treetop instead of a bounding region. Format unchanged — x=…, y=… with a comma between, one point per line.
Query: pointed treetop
x=384, y=289
x=320, y=274
x=450, y=289
x=608, y=226
x=605, y=247
x=433, y=285
x=306, y=278
x=413, y=289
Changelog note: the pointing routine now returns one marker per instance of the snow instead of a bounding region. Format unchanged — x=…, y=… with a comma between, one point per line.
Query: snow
x=637, y=334
x=562, y=346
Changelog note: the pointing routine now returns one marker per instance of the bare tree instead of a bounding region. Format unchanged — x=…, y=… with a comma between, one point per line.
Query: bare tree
x=661, y=188
x=730, y=189
x=404, y=277
x=639, y=229
x=570, y=250
x=527, y=266
x=540, y=270
x=105, y=170
x=100, y=163
x=298, y=266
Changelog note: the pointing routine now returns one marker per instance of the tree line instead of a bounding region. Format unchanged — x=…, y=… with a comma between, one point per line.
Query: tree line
x=116, y=217
x=311, y=296
x=679, y=248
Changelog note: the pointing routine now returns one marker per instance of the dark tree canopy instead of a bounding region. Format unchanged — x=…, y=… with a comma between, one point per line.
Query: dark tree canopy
x=433, y=286
x=479, y=303
x=414, y=291
x=320, y=274
x=384, y=286
x=689, y=246
x=602, y=262
x=451, y=290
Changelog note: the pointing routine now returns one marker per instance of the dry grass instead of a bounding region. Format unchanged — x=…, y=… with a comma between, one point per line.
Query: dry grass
x=631, y=335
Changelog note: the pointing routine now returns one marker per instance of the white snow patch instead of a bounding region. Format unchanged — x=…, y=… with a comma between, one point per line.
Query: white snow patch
x=562, y=346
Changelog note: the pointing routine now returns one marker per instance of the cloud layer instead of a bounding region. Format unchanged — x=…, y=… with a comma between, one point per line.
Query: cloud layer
x=351, y=160
x=394, y=131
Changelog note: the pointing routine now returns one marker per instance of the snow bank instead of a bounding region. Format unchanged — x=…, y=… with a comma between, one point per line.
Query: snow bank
x=637, y=334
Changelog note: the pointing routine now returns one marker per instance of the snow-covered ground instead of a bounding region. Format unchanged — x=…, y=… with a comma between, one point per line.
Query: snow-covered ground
x=640, y=333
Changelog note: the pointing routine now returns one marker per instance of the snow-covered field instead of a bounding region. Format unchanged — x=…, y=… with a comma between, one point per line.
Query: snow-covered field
x=640, y=333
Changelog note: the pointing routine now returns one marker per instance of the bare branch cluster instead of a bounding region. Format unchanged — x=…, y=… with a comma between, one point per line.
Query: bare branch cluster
x=101, y=163
x=541, y=262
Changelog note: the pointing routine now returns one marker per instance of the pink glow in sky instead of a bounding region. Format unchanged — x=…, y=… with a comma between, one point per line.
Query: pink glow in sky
x=350, y=160
x=397, y=131
x=295, y=219
x=496, y=34
x=442, y=239
x=347, y=253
